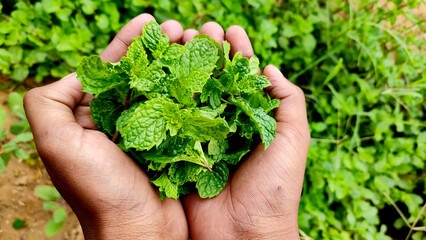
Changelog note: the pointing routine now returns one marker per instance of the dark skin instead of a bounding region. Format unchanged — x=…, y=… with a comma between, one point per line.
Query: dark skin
x=114, y=199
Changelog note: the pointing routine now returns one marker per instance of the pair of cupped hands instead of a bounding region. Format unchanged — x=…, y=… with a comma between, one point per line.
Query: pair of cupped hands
x=114, y=199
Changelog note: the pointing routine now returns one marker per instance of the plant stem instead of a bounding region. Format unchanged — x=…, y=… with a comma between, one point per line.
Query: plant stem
x=114, y=138
x=207, y=166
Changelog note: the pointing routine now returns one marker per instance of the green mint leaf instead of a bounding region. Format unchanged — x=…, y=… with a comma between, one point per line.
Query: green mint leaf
x=235, y=157
x=98, y=77
x=125, y=116
x=226, y=51
x=136, y=58
x=173, y=52
x=195, y=81
x=184, y=86
x=119, y=93
x=263, y=122
x=148, y=79
x=261, y=100
x=201, y=55
x=175, y=145
x=210, y=184
x=174, y=116
x=166, y=186
x=182, y=93
x=146, y=126
x=192, y=152
x=217, y=147
x=153, y=39
x=212, y=91
x=253, y=65
x=212, y=112
x=234, y=72
x=202, y=127
x=105, y=114
x=221, y=59
x=182, y=172
x=253, y=83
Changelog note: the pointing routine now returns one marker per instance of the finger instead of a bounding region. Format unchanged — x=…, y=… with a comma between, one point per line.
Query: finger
x=173, y=29
x=188, y=35
x=83, y=118
x=51, y=107
x=118, y=46
x=280, y=168
x=292, y=107
x=214, y=30
x=85, y=101
x=239, y=41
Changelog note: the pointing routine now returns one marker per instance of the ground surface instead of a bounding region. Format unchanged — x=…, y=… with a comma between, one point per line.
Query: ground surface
x=18, y=199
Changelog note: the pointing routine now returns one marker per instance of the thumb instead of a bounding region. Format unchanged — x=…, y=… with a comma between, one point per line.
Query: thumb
x=292, y=109
x=50, y=107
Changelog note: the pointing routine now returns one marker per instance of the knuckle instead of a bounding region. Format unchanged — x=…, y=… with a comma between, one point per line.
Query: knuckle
x=31, y=97
x=298, y=92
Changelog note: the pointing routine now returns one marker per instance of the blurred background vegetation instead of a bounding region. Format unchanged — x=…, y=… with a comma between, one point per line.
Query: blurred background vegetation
x=361, y=63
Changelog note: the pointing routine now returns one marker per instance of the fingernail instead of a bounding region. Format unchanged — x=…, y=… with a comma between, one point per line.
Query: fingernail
x=278, y=71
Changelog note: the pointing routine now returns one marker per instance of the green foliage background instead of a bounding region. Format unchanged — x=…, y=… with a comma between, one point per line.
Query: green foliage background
x=364, y=80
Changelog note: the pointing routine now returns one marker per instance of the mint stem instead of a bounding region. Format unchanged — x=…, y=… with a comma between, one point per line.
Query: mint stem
x=114, y=138
x=127, y=102
x=207, y=166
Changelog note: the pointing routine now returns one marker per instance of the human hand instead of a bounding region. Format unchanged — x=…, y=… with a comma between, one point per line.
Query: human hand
x=111, y=196
x=261, y=199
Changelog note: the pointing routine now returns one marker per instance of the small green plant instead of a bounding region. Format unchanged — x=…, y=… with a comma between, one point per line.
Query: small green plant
x=52, y=202
x=21, y=144
x=179, y=114
x=19, y=223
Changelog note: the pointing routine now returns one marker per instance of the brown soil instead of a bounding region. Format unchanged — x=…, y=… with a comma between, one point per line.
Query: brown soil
x=18, y=199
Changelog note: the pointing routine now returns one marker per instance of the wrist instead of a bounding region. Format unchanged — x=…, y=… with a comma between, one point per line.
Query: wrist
x=275, y=225
x=275, y=229
x=131, y=224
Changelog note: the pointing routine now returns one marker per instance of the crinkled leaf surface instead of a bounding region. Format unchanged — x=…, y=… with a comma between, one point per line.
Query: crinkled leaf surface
x=136, y=58
x=166, y=186
x=153, y=39
x=147, y=125
x=98, y=77
x=211, y=184
x=200, y=55
x=264, y=123
x=105, y=114
x=167, y=102
x=148, y=79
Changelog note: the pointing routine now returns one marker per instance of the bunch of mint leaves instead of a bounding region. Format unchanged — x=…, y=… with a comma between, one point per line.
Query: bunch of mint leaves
x=184, y=113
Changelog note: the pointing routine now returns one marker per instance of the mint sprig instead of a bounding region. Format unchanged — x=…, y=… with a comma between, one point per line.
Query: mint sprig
x=184, y=113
